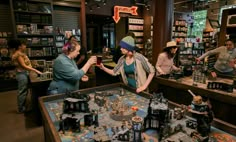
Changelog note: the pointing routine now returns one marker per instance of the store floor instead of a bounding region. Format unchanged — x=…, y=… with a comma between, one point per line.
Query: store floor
x=16, y=127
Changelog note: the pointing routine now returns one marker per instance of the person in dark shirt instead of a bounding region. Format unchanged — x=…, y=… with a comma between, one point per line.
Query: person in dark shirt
x=82, y=58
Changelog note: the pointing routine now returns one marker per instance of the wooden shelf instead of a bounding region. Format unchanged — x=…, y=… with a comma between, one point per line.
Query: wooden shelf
x=32, y=12
x=180, y=31
x=40, y=1
x=38, y=46
x=180, y=26
x=35, y=35
x=27, y=23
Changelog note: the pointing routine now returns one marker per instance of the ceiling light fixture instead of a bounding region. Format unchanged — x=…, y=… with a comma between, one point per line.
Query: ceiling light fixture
x=98, y=6
x=226, y=2
x=104, y=2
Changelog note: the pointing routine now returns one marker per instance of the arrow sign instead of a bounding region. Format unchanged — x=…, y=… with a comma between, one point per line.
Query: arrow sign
x=122, y=9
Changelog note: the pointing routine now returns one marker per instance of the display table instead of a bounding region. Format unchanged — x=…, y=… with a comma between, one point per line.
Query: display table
x=52, y=107
x=38, y=88
x=223, y=103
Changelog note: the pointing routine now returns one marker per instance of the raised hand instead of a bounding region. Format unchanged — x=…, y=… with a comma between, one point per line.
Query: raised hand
x=92, y=60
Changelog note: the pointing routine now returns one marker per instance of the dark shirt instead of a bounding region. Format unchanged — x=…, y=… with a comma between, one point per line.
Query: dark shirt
x=82, y=51
x=117, y=54
x=129, y=71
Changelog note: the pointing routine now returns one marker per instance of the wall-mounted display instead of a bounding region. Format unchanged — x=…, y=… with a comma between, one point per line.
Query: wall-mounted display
x=136, y=21
x=231, y=21
x=188, y=52
x=179, y=30
x=135, y=25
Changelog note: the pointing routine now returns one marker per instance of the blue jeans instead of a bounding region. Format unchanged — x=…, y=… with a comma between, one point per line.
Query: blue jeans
x=23, y=80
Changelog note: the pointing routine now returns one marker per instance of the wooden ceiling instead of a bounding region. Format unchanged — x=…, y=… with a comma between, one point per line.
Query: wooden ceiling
x=195, y=5
x=190, y=5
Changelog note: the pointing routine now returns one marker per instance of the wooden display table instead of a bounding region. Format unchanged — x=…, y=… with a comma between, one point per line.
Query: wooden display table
x=223, y=103
x=52, y=107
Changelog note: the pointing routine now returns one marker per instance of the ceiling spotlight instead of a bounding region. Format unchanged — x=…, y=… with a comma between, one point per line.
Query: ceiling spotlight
x=98, y=6
x=104, y=2
x=90, y=9
x=146, y=4
x=148, y=7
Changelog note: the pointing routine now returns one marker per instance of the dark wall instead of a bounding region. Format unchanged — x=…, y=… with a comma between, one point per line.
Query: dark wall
x=108, y=8
x=5, y=20
x=66, y=17
x=96, y=18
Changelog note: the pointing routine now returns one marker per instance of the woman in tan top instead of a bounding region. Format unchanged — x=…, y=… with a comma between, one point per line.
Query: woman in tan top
x=23, y=65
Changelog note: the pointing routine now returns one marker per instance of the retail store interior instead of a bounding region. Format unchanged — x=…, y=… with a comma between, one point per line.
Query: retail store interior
x=196, y=26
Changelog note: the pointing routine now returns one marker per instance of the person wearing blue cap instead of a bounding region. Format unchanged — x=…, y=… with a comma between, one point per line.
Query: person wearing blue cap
x=132, y=66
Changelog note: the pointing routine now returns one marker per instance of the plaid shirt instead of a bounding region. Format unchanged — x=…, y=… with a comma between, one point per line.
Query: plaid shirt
x=141, y=65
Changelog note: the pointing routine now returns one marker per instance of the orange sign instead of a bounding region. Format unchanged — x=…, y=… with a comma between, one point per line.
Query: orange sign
x=122, y=9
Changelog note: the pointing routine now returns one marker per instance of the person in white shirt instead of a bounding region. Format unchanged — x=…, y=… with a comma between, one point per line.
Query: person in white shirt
x=225, y=64
x=165, y=64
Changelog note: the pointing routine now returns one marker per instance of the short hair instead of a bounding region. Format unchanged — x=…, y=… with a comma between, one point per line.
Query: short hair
x=131, y=34
x=69, y=47
x=71, y=37
x=232, y=40
x=15, y=43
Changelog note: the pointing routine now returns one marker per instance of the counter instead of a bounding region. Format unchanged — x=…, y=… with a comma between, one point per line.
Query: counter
x=223, y=103
x=38, y=88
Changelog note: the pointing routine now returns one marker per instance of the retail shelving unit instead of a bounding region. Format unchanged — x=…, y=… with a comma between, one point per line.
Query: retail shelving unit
x=135, y=25
x=188, y=52
x=180, y=29
x=59, y=42
x=7, y=72
x=33, y=22
x=148, y=44
x=207, y=38
x=61, y=39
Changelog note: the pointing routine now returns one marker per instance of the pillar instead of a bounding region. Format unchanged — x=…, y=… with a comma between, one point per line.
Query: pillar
x=83, y=24
x=163, y=11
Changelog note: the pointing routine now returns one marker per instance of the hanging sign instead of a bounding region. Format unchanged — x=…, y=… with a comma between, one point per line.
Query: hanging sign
x=122, y=9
